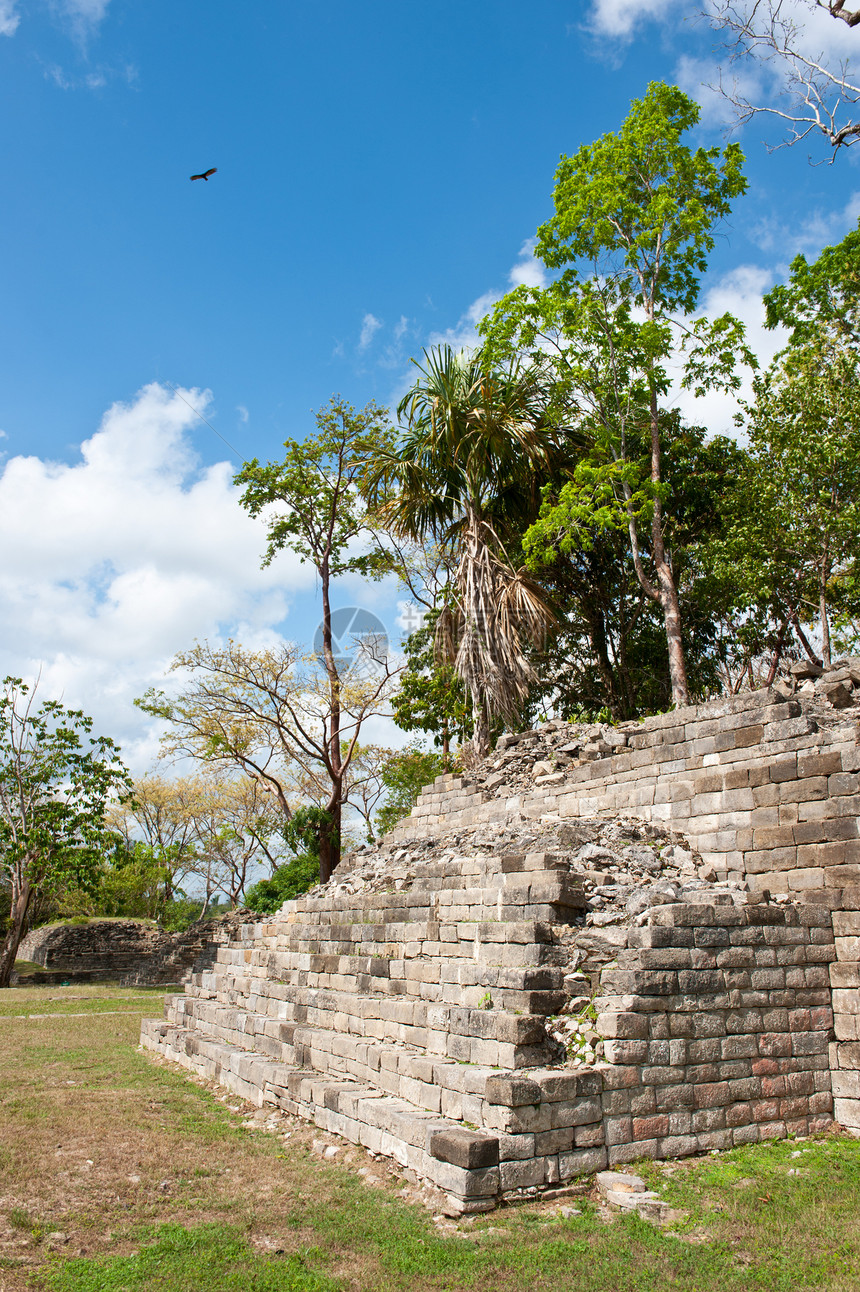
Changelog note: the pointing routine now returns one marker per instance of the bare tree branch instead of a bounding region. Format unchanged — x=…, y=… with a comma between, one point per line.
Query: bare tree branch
x=838, y=10
x=815, y=96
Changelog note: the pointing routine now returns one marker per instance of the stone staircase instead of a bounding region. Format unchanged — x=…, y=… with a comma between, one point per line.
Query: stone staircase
x=387, y=1015
x=408, y=1013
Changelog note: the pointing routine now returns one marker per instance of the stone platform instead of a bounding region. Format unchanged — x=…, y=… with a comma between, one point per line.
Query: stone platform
x=410, y=1008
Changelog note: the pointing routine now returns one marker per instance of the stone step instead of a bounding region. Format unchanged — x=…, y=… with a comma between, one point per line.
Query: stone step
x=380, y=1018
x=427, y=937
x=396, y=1065
x=535, y=1130
x=523, y=989
x=402, y=1019
x=362, y=1113
x=499, y=954
x=546, y=895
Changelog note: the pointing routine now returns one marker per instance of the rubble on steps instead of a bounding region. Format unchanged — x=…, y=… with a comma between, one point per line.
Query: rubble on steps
x=545, y=757
x=542, y=755
x=623, y=865
x=836, y=685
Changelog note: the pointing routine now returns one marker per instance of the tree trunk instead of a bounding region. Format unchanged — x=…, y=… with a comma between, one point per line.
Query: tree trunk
x=665, y=593
x=624, y=628
x=330, y=835
x=777, y=653
x=481, y=734
x=804, y=641
x=665, y=578
x=825, y=620
x=17, y=919
x=330, y=840
x=672, y=620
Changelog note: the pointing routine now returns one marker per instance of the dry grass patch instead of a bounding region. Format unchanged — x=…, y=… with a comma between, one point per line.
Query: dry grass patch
x=96, y=1136
x=119, y=1173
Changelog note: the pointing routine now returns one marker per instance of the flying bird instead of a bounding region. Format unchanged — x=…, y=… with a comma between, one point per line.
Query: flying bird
x=205, y=174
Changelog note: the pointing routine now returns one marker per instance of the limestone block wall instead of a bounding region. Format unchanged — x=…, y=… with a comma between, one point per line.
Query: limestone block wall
x=722, y=1020
x=412, y=1020
x=767, y=788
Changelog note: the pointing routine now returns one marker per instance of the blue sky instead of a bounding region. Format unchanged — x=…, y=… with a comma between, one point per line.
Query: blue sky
x=381, y=168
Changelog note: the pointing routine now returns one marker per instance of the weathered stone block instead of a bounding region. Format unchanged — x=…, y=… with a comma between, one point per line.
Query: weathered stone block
x=468, y=1149
x=581, y=1162
x=466, y=1184
x=512, y=1091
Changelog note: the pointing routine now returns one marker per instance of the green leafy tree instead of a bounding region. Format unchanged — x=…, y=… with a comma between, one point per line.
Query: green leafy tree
x=821, y=300
x=794, y=534
x=138, y=881
x=56, y=781
x=158, y=828
x=314, y=506
x=633, y=226
x=795, y=537
x=404, y=776
x=304, y=834
x=465, y=467
x=610, y=652
x=430, y=697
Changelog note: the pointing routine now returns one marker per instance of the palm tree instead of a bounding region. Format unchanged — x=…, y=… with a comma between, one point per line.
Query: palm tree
x=466, y=473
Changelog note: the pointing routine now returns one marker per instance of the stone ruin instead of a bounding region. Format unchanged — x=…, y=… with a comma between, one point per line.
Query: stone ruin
x=130, y=952
x=606, y=943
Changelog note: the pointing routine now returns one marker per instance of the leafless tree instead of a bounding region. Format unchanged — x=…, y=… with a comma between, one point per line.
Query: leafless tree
x=268, y=713
x=816, y=95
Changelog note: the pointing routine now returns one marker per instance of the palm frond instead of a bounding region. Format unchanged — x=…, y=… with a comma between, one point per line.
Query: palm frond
x=500, y=609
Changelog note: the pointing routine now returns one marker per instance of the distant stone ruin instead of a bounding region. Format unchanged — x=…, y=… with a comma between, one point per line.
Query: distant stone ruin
x=607, y=943
x=132, y=952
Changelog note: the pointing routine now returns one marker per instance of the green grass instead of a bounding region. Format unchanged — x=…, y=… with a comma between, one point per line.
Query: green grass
x=159, y=1185
x=203, y=1259
x=81, y=998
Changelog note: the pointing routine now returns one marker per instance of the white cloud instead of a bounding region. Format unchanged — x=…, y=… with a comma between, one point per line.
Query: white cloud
x=702, y=79
x=816, y=31
x=620, y=18
x=89, y=10
x=818, y=229
x=243, y=414
x=370, y=325
x=528, y=271
x=84, y=15
x=464, y=335
x=95, y=80
x=738, y=292
x=9, y=18
x=56, y=74
x=117, y=561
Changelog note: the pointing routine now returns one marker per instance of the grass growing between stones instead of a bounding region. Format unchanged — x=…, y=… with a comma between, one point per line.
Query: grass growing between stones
x=117, y=1173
